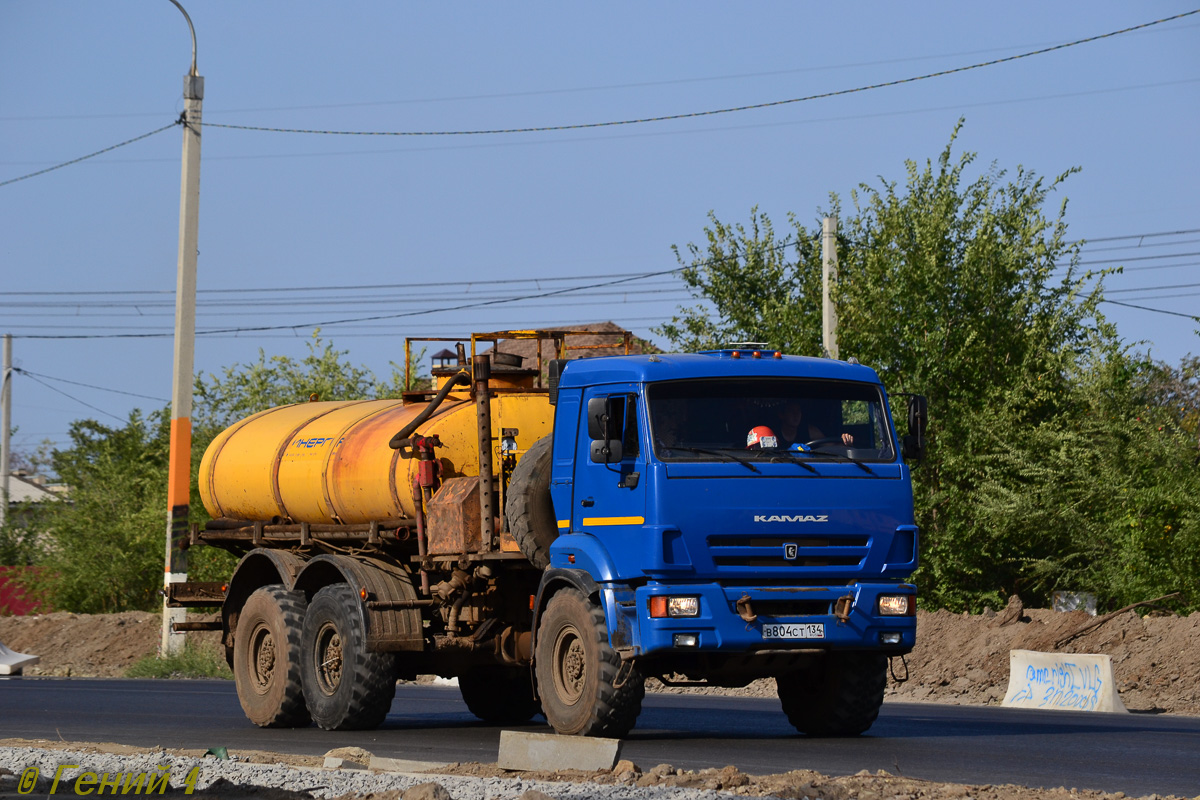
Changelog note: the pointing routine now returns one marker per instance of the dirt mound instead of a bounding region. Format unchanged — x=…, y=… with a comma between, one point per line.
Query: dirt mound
x=87, y=645
x=959, y=658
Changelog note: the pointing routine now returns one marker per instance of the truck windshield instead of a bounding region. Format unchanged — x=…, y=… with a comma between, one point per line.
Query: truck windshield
x=709, y=419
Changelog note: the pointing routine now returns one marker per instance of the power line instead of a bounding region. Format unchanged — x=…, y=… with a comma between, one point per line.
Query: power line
x=1141, y=235
x=371, y=318
x=92, y=155
x=714, y=112
x=1192, y=317
x=486, y=282
x=1158, y=257
x=358, y=295
x=1139, y=246
x=70, y=397
x=543, y=92
x=88, y=385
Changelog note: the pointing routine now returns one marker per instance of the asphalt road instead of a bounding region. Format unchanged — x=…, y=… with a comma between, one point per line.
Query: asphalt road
x=1137, y=754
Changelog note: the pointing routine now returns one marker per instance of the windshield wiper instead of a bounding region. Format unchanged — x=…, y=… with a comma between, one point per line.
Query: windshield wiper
x=842, y=458
x=790, y=456
x=722, y=453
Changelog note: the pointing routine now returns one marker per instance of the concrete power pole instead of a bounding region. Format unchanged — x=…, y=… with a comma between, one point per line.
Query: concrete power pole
x=180, y=464
x=829, y=318
x=5, y=427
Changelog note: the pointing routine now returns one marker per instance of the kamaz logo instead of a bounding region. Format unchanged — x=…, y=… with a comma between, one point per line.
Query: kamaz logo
x=792, y=518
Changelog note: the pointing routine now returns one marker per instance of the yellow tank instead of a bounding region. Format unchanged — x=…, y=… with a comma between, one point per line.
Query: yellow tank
x=329, y=462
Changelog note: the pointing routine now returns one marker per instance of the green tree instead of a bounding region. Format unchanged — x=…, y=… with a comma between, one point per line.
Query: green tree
x=105, y=544
x=964, y=289
x=244, y=389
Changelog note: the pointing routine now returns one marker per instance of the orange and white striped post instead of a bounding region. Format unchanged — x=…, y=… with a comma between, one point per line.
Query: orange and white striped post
x=180, y=463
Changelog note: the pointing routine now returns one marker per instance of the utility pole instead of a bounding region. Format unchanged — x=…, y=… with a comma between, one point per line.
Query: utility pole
x=828, y=282
x=179, y=471
x=5, y=427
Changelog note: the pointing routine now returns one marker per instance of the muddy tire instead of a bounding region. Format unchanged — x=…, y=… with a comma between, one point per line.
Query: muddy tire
x=584, y=689
x=266, y=658
x=530, y=513
x=839, y=695
x=346, y=687
x=499, y=695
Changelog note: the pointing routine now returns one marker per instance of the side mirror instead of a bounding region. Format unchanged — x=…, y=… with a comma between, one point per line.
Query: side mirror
x=913, y=445
x=606, y=451
x=597, y=417
x=606, y=428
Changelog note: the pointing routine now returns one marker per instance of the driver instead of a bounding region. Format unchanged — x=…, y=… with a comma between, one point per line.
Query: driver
x=793, y=428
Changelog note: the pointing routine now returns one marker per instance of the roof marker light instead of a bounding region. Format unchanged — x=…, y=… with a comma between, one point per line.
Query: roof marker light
x=778, y=354
x=756, y=354
x=735, y=354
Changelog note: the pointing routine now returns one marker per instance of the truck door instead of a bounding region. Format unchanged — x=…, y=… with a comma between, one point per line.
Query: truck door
x=609, y=462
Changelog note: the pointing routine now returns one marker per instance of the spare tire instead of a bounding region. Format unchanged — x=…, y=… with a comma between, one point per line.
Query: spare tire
x=528, y=509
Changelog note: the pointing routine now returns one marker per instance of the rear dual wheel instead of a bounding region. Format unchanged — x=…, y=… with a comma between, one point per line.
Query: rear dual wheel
x=345, y=686
x=266, y=658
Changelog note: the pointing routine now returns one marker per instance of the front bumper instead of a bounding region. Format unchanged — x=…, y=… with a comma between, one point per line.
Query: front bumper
x=847, y=616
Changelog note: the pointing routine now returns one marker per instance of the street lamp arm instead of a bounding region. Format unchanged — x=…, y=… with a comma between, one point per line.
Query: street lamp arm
x=193, y=30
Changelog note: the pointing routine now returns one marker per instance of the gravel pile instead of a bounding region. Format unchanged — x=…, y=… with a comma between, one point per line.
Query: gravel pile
x=231, y=779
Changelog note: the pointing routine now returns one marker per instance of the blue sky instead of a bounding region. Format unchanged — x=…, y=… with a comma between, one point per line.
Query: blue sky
x=291, y=223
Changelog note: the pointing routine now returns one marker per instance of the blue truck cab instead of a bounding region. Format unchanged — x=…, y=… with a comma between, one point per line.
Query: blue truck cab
x=722, y=517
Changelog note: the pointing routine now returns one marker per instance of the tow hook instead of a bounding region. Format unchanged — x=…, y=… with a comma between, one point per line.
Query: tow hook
x=842, y=607
x=744, y=610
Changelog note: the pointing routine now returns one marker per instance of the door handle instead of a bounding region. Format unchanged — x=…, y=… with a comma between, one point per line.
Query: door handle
x=588, y=503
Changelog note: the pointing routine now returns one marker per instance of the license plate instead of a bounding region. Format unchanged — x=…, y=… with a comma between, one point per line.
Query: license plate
x=802, y=630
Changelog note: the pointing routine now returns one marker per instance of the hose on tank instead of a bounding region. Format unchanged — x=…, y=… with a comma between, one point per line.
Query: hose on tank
x=398, y=441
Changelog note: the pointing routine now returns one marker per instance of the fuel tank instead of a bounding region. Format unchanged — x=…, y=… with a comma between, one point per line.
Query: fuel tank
x=329, y=462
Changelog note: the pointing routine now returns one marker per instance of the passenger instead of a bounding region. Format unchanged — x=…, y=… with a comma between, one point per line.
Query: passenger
x=794, y=429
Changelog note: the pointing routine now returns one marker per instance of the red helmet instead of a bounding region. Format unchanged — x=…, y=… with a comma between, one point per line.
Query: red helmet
x=761, y=437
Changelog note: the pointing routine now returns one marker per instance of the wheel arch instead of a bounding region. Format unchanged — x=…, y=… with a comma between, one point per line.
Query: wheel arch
x=258, y=568
x=381, y=585
x=553, y=580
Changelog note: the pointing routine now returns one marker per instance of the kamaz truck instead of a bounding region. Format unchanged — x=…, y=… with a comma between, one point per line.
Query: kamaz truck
x=554, y=531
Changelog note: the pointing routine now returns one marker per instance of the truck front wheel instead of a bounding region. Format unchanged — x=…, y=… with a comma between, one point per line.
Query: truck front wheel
x=839, y=695
x=346, y=687
x=266, y=658
x=585, y=689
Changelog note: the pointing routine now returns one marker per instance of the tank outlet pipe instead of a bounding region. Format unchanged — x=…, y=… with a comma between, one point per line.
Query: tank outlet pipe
x=418, y=494
x=461, y=377
x=483, y=413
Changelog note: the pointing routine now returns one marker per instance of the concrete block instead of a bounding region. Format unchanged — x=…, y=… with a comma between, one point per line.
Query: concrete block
x=403, y=765
x=333, y=762
x=548, y=751
x=12, y=663
x=1062, y=682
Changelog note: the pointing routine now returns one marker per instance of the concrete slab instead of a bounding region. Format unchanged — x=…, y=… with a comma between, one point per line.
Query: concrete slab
x=1062, y=682
x=12, y=663
x=333, y=762
x=403, y=765
x=548, y=751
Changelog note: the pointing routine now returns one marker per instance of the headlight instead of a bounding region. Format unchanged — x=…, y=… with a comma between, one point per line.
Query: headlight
x=665, y=606
x=897, y=605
